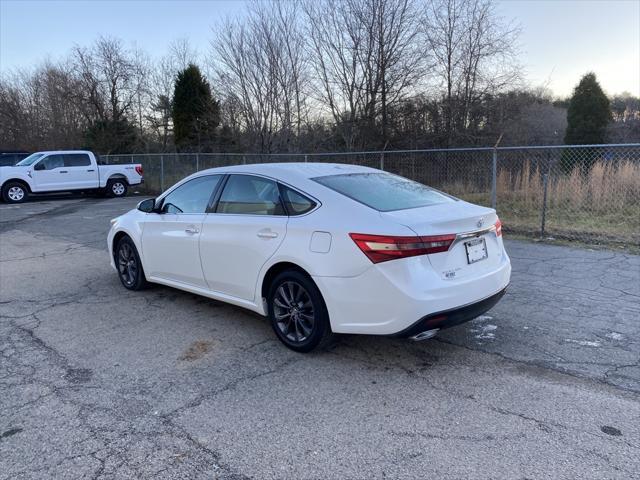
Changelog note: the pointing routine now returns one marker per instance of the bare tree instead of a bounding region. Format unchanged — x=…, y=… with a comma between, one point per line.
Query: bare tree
x=37, y=109
x=366, y=57
x=261, y=70
x=474, y=53
x=107, y=74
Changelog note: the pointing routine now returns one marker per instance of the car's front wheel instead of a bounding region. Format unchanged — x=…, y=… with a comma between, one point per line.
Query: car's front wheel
x=129, y=265
x=297, y=312
x=14, y=192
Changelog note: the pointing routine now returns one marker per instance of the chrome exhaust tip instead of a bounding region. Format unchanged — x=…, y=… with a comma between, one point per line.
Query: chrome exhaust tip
x=425, y=335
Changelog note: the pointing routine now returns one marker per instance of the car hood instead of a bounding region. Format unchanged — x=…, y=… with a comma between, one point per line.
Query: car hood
x=5, y=172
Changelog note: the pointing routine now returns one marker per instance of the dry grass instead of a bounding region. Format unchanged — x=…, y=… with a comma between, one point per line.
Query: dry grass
x=603, y=204
x=606, y=186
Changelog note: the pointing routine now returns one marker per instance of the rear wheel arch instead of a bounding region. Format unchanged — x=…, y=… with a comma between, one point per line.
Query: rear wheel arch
x=118, y=176
x=275, y=270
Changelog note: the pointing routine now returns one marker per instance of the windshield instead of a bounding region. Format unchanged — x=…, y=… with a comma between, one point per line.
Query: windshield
x=384, y=192
x=30, y=160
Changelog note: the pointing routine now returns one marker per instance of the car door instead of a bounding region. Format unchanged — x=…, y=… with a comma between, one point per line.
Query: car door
x=80, y=172
x=49, y=174
x=246, y=228
x=171, y=236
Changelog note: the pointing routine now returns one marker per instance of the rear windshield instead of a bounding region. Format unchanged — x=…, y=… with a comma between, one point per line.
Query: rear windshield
x=384, y=191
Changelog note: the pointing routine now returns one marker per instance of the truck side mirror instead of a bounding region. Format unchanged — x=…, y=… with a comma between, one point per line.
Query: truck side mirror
x=147, y=205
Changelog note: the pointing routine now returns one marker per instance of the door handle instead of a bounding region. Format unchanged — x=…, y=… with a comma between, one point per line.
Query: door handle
x=267, y=234
x=192, y=230
x=91, y=170
x=63, y=171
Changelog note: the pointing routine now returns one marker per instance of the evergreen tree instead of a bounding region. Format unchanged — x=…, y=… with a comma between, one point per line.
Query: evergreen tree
x=589, y=113
x=111, y=137
x=195, y=113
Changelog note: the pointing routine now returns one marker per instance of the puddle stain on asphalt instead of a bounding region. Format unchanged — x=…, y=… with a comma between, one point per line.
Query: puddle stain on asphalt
x=78, y=375
x=196, y=350
x=10, y=432
x=611, y=431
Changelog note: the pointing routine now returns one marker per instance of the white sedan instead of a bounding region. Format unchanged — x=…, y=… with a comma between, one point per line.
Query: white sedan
x=318, y=248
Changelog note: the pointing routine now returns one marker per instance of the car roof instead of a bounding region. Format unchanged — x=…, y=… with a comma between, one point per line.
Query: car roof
x=293, y=170
x=48, y=152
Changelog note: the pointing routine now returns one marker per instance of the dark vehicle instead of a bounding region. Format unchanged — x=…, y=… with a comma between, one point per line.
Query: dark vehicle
x=10, y=158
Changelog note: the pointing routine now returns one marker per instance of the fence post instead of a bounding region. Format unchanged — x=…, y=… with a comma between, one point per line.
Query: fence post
x=162, y=173
x=197, y=162
x=494, y=178
x=131, y=158
x=305, y=159
x=545, y=183
x=244, y=159
x=382, y=161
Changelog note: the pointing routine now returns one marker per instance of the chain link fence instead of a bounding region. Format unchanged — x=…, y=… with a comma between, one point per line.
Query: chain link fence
x=589, y=193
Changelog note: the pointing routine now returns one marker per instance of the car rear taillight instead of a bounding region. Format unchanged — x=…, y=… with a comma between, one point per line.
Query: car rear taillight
x=498, y=226
x=381, y=248
x=139, y=169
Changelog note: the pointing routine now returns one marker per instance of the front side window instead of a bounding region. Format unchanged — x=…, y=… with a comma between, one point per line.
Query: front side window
x=76, y=160
x=296, y=203
x=192, y=196
x=250, y=195
x=384, y=192
x=50, y=162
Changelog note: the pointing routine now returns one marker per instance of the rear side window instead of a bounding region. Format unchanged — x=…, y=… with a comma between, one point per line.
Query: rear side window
x=384, y=191
x=295, y=202
x=250, y=195
x=76, y=160
x=191, y=197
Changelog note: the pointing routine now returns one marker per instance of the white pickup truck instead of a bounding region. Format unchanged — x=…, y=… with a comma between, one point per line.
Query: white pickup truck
x=65, y=171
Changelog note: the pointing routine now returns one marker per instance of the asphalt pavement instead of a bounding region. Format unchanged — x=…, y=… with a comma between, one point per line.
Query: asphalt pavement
x=100, y=382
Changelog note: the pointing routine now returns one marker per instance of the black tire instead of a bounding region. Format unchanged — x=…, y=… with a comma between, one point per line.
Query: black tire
x=14, y=192
x=290, y=319
x=117, y=187
x=129, y=266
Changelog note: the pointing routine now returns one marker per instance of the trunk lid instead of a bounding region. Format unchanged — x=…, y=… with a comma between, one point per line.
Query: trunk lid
x=461, y=260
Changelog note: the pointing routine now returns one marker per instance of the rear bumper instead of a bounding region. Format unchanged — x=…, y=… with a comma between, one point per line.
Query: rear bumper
x=453, y=317
x=394, y=297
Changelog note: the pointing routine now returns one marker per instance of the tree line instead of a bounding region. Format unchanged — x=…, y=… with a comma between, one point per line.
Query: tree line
x=302, y=75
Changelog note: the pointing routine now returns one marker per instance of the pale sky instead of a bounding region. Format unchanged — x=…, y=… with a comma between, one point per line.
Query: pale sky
x=561, y=39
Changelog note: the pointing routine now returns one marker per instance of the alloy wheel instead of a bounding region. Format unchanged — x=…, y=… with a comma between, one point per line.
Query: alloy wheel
x=127, y=264
x=293, y=311
x=117, y=188
x=15, y=194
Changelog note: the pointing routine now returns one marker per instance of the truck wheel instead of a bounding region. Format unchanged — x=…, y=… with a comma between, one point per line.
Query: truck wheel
x=14, y=192
x=116, y=188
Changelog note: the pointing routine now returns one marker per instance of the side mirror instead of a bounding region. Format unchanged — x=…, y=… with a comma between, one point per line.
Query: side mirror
x=39, y=166
x=147, y=205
